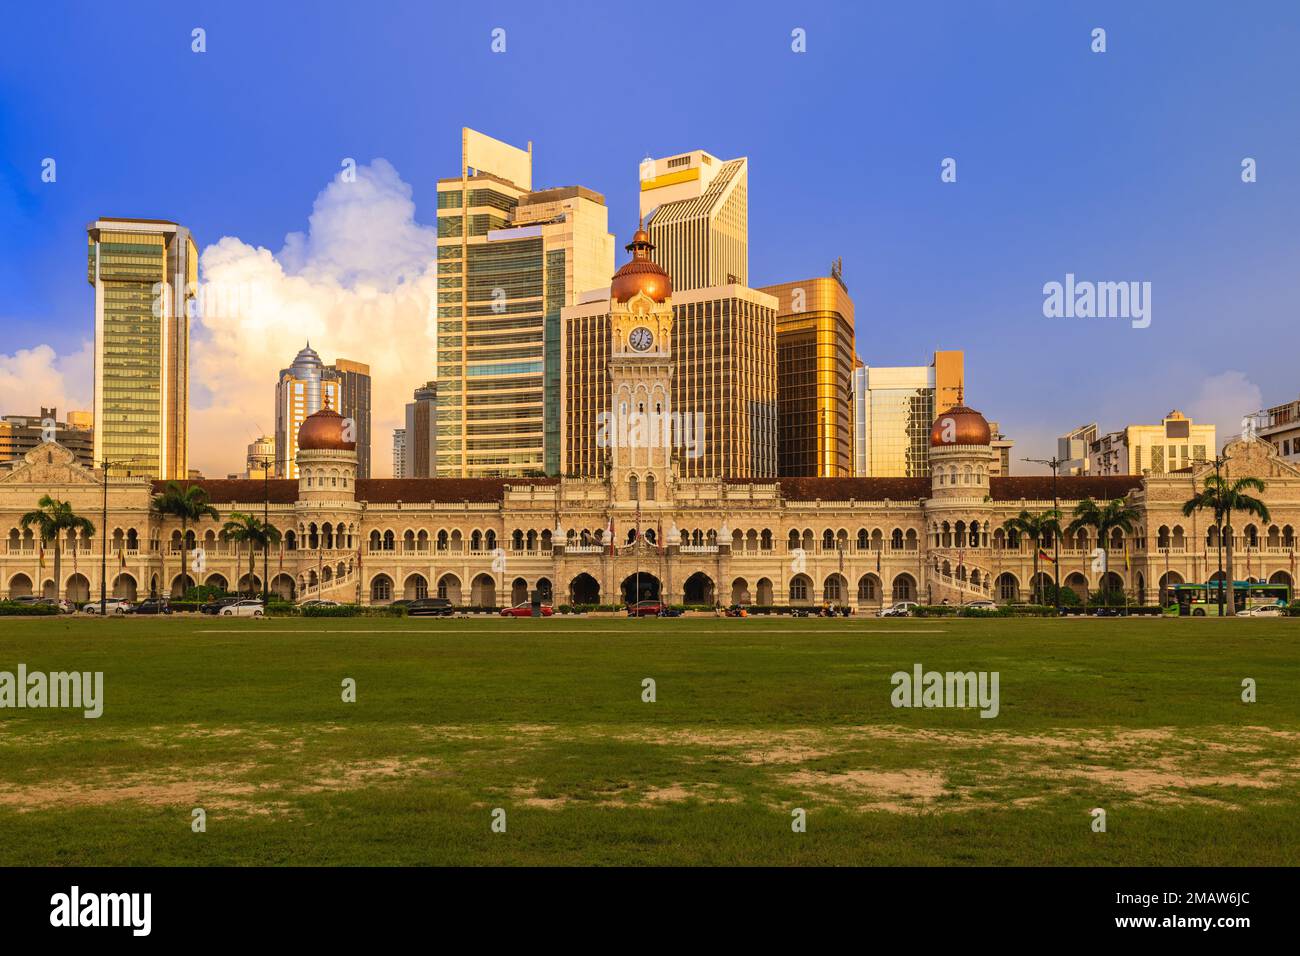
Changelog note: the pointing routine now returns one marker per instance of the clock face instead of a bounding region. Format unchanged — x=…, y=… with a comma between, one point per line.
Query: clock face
x=641, y=339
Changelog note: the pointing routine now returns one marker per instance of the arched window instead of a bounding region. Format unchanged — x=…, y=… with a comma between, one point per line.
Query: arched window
x=649, y=487
x=632, y=489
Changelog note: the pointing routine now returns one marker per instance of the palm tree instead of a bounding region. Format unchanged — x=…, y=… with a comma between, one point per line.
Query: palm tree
x=1223, y=497
x=1035, y=527
x=1105, y=518
x=52, y=518
x=248, y=529
x=190, y=504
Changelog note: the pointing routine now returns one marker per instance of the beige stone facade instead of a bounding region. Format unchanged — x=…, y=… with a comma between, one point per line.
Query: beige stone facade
x=855, y=541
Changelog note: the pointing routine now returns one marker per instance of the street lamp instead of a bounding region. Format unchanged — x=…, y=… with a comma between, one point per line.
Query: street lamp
x=1055, y=464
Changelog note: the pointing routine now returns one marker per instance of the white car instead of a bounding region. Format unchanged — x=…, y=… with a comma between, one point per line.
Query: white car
x=243, y=609
x=111, y=606
x=1267, y=610
x=900, y=609
x=982, y=605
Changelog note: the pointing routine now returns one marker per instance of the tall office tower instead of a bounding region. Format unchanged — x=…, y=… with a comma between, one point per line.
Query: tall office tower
x=145, y=274
x=259, y=459
x=19, y=434
x=399, y=452
x=509, y=259
x=814, y=377
x=723, y=384
x=893, y=409
x=354, y=403
x=420, y=436
x=302, y=389
x=696, y=208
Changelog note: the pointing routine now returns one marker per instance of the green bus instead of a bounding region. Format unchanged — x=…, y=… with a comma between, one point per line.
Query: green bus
x=1200, y=600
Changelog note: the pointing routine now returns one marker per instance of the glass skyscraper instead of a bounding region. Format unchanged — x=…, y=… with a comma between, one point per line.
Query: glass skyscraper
x=893, y=409
x=145, y=276
x=509, y=258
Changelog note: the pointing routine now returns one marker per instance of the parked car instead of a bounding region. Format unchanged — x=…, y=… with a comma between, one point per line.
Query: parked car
x=111, y=606
x=216, y=604
x=251, y=608
x=430, y=607
x=153, y=606
x=1267, y=610
x=27, y=599
x=525, y=609
x=404, y=602
x=982, y=605
x=899, y=609
x=65, y=607
x=1107, y=612
x=316, y=602
x=646, y=609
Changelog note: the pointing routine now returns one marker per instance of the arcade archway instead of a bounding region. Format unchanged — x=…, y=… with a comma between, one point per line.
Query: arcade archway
x=640, y=587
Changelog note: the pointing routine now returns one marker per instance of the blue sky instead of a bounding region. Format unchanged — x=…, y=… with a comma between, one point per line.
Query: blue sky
x=1120, y=166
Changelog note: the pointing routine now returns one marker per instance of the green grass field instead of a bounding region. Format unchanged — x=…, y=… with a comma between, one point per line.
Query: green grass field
x=753, y=718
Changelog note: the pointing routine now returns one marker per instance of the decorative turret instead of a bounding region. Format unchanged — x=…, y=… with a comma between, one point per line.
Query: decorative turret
x=327, y=457
x=961, y=453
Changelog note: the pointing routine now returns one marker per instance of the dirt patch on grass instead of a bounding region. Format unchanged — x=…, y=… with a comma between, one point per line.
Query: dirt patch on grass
x=225, y=788
x=900, y=791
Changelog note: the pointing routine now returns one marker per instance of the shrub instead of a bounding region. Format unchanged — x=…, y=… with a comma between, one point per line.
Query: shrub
x=330, y=610
x=26, y=609
x=934, y=610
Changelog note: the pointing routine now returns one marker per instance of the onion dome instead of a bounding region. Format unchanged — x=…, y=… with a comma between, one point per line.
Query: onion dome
x=641, y=274
x=323, y=431
x=960, y=425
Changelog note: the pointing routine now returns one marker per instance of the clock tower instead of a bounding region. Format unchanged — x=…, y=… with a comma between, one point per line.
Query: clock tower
x=641, y=430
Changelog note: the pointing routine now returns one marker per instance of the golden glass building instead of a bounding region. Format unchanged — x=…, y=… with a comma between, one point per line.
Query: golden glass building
x=723, y=384
x=814, y=375
x=509, y=259
x=892, y=412
x=696, y=210
x=145, y=274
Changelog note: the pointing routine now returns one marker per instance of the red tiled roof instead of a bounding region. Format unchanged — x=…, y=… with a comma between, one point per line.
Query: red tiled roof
x=226, y=490
x=386, y=490
x=843, y=489
x=1068, y=487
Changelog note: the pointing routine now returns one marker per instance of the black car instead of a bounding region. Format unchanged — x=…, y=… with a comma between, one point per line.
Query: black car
x=215, y=606
x=152, y=606
x=430, y=607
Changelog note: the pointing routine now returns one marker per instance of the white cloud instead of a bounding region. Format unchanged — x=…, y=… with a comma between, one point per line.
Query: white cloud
x=358, y=284
x=35, y=377
x=1223, y=400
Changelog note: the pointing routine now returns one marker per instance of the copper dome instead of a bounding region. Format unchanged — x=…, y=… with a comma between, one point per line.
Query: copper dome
x=323, y=431
x=960, y=425
x=641, y=274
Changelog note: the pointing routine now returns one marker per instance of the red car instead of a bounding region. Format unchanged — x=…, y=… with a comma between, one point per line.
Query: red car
x=645, y=609
x=526, y=610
